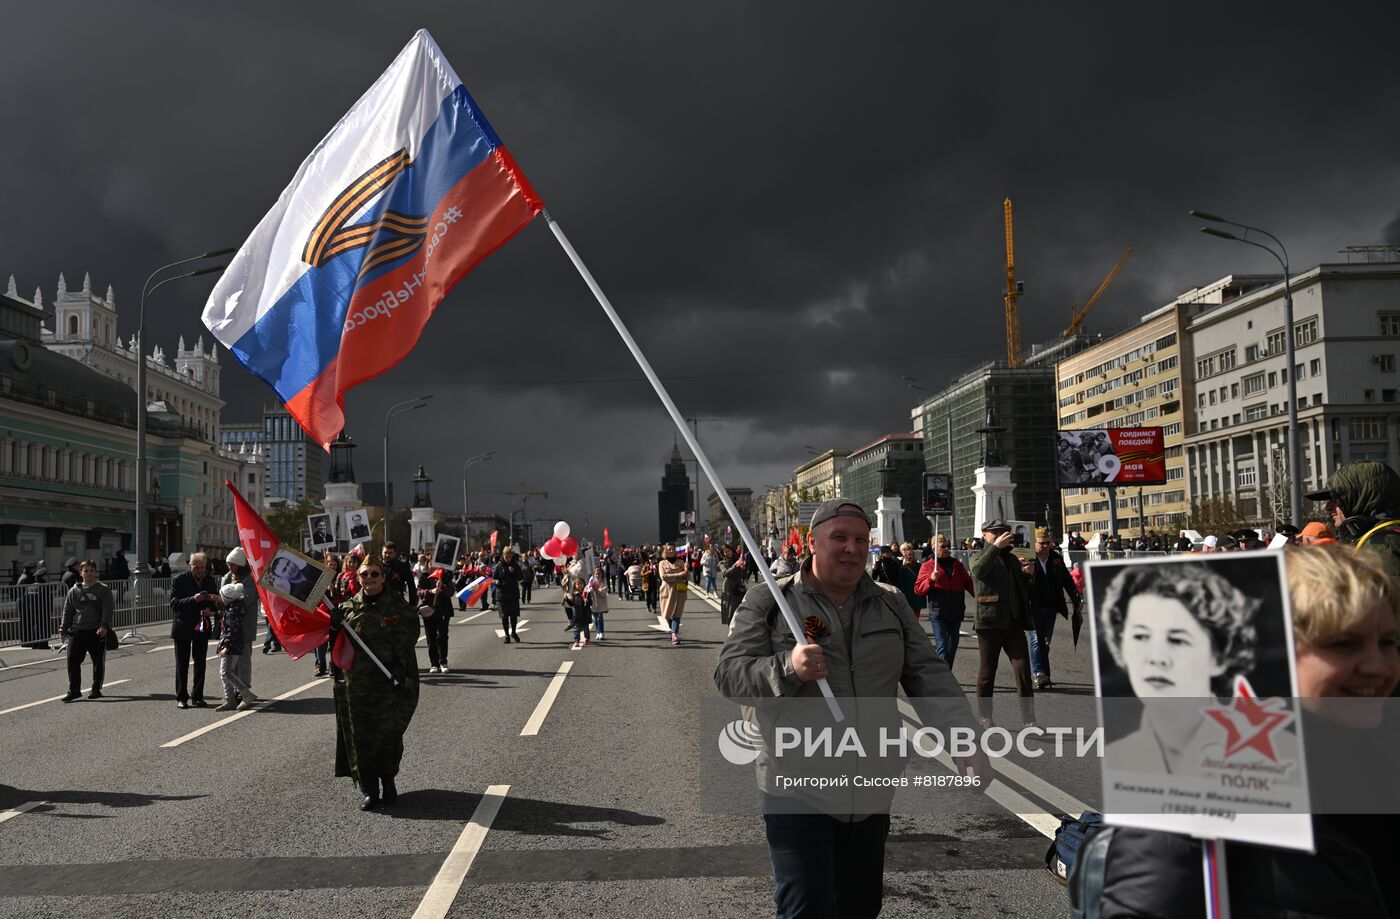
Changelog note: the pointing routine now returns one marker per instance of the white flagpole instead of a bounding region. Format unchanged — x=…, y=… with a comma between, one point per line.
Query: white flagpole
x=355, y=637
x=749, y=543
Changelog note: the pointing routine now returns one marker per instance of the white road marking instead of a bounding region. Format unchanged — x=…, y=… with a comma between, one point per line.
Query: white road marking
x=663, y=627
x=470, y=618
x=501, y=633
x=551, y=692
x=55, y=698
x=229, y=719
x=1038, y=786
x=443, y=890
x=16, y=811
x=51, y=659
x=161, y=648
x=1003, y=794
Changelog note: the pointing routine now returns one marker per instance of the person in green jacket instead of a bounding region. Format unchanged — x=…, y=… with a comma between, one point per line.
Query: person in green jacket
x=1363, y=500
x=371, y=713
x=1003, y=615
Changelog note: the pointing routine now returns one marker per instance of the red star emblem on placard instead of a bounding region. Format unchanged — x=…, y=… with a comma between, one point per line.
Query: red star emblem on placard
x=1250, y=723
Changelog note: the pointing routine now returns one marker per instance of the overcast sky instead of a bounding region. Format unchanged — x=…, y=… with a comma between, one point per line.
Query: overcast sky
x=792, y=205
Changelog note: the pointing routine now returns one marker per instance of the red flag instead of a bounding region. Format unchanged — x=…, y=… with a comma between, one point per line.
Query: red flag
x=794, y=539
x=342, y=652
x=607, y=543
x=299, y=631
x=494, y=535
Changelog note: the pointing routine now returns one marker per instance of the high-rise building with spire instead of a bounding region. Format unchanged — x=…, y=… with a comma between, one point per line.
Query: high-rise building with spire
x=673, y=498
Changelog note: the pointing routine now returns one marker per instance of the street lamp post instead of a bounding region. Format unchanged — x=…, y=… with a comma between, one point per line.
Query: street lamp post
x=470, y=462
x=1295, y=468
x=398, y=408
x=142, y=479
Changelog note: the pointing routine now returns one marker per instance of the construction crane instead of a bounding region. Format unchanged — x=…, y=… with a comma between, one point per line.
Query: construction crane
x=1077, y=312
x=1014, y=289
x=524, y=504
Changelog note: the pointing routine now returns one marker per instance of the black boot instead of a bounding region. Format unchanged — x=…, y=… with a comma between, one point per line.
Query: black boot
x=391, y=794
x=370, y=787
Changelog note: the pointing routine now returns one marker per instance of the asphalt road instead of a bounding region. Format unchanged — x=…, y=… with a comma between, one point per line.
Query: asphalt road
x=100, y=817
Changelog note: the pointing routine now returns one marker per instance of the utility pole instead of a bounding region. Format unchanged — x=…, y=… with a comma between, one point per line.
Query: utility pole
x=699, y=479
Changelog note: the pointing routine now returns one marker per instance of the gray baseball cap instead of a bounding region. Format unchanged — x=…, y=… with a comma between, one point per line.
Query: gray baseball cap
x=838, y=507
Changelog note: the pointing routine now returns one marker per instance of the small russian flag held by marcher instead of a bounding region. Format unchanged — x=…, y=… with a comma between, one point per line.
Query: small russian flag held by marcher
x=405, y=195
x=474, y=590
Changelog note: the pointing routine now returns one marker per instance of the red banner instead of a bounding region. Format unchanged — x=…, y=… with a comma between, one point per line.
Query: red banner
x=607, y=543
x=1111, y=456
x=298, y=630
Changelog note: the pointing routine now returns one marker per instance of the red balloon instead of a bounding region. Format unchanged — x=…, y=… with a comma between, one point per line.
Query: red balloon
x=569, y=546
x=553, y=546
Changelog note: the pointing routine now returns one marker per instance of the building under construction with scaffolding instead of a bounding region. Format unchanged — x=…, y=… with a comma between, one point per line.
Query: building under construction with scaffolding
x=1021, y=401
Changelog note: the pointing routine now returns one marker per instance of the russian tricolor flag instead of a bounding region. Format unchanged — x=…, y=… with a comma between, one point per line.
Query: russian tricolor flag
x=473, y=591
x=400, y=200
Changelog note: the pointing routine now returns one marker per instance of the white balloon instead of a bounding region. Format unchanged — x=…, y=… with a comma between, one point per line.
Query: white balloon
x=561, y=530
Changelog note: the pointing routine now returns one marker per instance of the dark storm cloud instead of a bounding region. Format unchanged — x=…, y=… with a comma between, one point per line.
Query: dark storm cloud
x=769, y=192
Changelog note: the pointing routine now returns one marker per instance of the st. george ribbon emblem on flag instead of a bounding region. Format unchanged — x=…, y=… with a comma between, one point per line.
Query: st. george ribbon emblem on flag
x=405, y=195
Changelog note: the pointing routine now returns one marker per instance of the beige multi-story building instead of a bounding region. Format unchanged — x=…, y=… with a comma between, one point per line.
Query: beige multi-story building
x=820, y=477
x=1140, y=377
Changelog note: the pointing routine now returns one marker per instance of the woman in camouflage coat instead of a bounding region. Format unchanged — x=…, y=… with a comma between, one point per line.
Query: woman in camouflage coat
x=371, y=714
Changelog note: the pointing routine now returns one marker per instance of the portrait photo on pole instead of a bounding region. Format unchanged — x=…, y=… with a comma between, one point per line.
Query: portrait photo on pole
x=322, y=534
x=357, y=525
x=445, y=550
x=938, y=493
x=1197, y=686
x=296, y=577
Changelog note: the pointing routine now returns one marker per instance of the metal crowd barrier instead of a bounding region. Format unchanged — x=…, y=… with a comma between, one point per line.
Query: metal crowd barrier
x=32, y=613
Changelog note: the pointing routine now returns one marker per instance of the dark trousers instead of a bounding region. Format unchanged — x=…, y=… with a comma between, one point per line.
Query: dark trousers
x=526, y=585
x=990, y=645
x=436, y=628
x=185, y=649
x=825, y=868
x=80, y=645
x=509, y=624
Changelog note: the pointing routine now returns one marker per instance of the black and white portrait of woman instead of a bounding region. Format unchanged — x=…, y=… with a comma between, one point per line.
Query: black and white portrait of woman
x=1171, y=638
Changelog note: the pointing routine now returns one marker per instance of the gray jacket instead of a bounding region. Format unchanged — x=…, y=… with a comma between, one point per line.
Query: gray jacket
x=888, y=651
x=86, y=609
x=252, y=605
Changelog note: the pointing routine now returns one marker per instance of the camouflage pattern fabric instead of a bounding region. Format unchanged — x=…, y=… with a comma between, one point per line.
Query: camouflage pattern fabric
x=371, y=714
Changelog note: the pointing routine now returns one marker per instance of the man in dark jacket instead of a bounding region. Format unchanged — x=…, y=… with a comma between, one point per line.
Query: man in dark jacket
x=1363, y=500
x=87, y=618
x=194, y=599
x=1003, y=616
x=70, y=572
x=398, y=573
x=1050, y=582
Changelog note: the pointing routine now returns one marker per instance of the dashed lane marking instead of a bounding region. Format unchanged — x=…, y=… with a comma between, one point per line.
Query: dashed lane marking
x=229, y=719
x=470, y=618
x=16, y=811
x=532, y=727
x=443, y=890
x=56, y=698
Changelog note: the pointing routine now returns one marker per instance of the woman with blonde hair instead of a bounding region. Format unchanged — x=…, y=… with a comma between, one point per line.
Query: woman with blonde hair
x=1346, y=627
x=673, y=589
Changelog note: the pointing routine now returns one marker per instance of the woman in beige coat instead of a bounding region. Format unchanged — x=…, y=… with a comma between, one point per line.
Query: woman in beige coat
x=673, y=576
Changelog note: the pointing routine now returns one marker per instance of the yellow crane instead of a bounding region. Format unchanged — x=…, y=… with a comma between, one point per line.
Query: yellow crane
x=1078, y=313
x=1013, y=295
